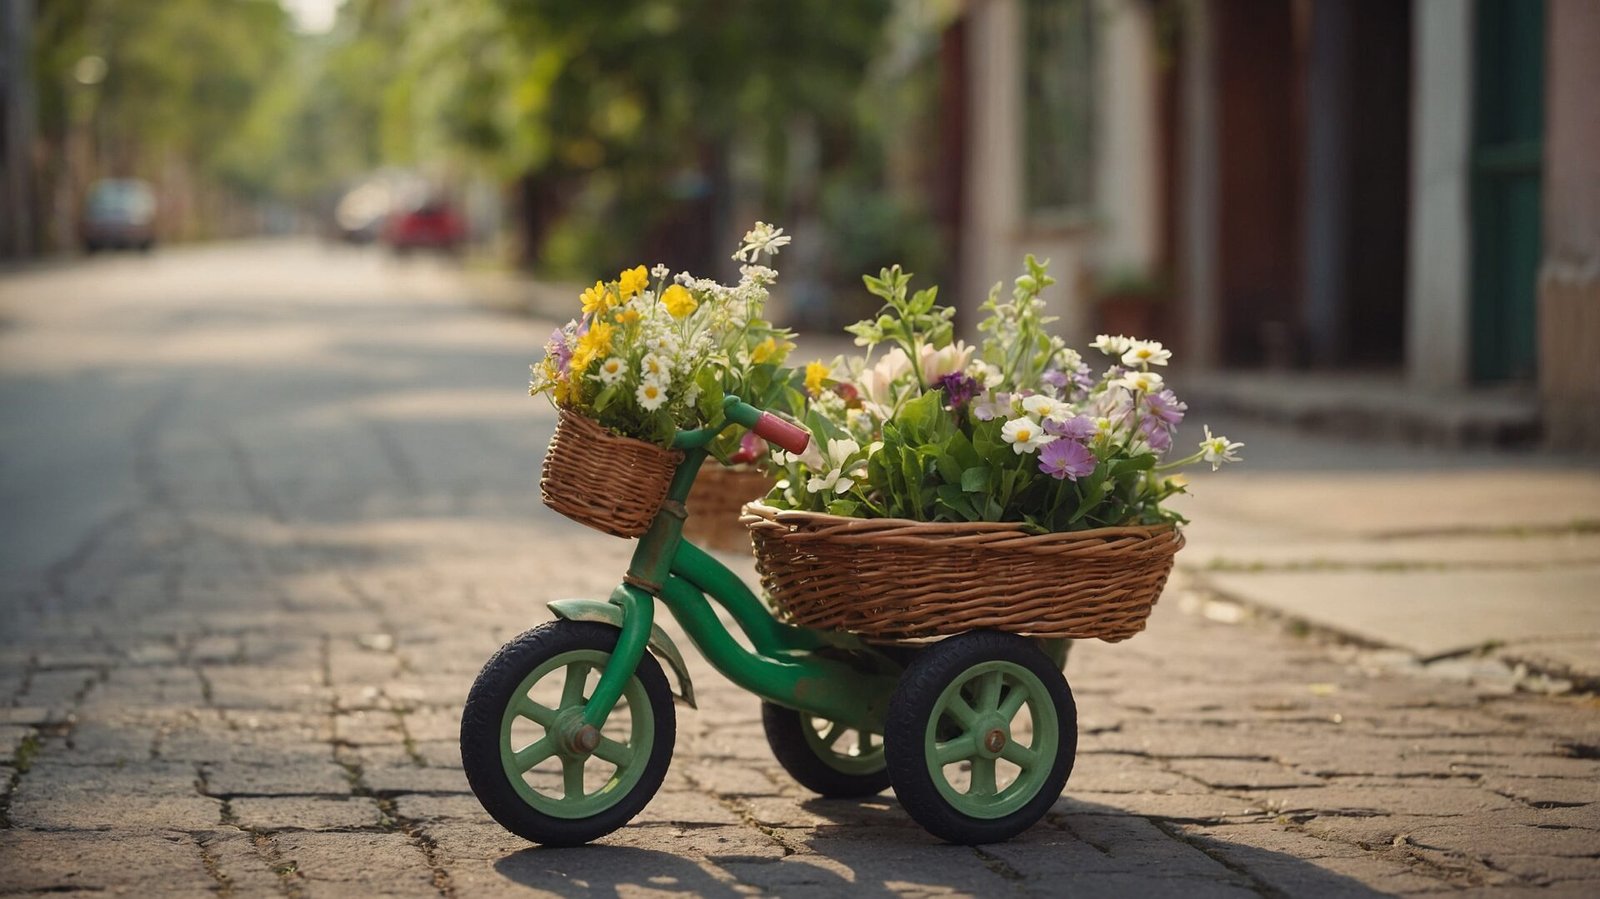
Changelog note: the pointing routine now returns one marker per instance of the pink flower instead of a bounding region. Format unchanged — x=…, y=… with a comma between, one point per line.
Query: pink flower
x=1066, y=459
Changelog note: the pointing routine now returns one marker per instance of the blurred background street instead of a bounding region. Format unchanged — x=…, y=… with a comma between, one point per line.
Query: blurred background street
x=271, y=275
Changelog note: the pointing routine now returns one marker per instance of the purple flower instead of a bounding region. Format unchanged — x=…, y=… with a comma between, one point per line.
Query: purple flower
x=1158, y=435
x=557, y=347
x=1080, y=427
x=1055, y=378
x=1066, y=459
x=1083, y=378
x=1166, y=406
x=959, y=388
x=997, y=406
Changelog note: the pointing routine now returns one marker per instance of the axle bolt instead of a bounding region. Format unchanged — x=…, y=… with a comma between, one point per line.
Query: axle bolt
x=586, y=739
x=995, y=740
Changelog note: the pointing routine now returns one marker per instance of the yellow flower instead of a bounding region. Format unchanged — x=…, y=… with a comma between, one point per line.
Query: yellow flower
x=763, y=351
x=816, y=373
x=599, y=335
x=632, y=281
x=628, y=316
x=592, y=345
x=583, y=354
x=596, y=298
x=678, y=300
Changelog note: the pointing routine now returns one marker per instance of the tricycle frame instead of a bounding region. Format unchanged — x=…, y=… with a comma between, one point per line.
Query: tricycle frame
x=833, y=676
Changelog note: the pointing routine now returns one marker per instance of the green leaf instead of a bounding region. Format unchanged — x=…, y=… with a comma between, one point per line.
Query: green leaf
x=975, y=480
x=846, y=507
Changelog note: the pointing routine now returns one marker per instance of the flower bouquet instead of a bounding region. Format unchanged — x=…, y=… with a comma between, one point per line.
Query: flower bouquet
x=653, y=354
x=952, y=487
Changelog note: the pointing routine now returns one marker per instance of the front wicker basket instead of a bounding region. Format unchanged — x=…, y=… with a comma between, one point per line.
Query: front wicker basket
x=611, y=483
x=716, y=501
x=894, y=579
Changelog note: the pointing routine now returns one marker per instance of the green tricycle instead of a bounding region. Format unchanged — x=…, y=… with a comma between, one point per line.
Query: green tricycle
x=568, y=731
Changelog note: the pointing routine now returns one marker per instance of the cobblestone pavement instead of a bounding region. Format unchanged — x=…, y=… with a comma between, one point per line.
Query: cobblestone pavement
x=267, y=509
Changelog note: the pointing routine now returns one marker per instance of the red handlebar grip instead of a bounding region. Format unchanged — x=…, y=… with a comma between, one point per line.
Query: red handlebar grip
x=785, y=434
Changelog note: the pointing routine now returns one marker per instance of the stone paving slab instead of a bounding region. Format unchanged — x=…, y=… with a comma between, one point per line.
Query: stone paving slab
x=242, y=674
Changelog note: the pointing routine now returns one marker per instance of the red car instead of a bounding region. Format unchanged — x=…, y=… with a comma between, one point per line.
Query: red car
x=434, y=225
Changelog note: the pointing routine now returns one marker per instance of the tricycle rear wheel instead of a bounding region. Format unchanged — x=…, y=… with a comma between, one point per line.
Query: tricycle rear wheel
x=980, y=737
x=825, y=757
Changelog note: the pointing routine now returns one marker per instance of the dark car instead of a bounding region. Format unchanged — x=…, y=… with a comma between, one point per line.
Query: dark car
x=434, y=225
x=119, y=213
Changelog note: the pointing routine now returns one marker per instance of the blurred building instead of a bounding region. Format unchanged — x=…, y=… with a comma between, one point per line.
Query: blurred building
x=1409, y=186
x=16, y=128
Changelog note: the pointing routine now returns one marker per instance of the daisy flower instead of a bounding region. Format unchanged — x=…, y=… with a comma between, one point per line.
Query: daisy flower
x=1218, y=449
x=650, y=396
x=1025, y=435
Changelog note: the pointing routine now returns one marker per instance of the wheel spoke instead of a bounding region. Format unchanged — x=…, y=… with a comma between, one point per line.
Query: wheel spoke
x=961, y=711
x=863, y=742
x=609, y=750
x=543, y=716
x=572, y=690
x=572, y=778
x=962, y=747
x=835, y=729
x=534, y=753
x=1013, y=702
x=1019, y=755
x=989, y=691
x=982, y=777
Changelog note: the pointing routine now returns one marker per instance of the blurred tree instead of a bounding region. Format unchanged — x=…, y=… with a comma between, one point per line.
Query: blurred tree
x=154, y=90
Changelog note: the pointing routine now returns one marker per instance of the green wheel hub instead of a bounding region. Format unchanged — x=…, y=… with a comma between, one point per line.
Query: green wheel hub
x=549, y=771
x=977, y=730
x=861, y=755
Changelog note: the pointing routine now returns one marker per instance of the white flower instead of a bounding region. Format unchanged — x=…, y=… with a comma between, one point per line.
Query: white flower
x=877, y=382
x=651, y=395
x=1146, y=352
x=1111, y=346
x=936, y=364
x=1068, y=359
x=1103, y=425
x=657, y=368
x=1218, y=450
x=1046, y=407
x=837, y=480
x=660, y=271
x=988, y=375
x=1145, y=381
x=763, y=238
x=1025, y=435
x=611, y=369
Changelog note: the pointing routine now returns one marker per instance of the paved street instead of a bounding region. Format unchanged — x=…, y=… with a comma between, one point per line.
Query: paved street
x=267, y=508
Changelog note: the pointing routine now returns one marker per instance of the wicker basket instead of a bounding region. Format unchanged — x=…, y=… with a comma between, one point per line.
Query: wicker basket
x=715, y=501
x=893, y=579
x=610, y=483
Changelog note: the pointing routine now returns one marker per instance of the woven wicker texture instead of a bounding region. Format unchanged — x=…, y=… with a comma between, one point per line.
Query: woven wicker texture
x=893, y=579
x=715, y=501
x=610, y=483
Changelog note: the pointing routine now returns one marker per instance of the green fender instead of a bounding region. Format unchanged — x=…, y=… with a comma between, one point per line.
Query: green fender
x=660, y=643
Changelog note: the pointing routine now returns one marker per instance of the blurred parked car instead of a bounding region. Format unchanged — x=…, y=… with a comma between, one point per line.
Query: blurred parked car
x=361, y=213
x=119, y=213
x=433, y=225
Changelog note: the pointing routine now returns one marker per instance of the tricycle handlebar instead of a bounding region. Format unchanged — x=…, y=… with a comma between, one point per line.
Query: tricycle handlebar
x=781, y=432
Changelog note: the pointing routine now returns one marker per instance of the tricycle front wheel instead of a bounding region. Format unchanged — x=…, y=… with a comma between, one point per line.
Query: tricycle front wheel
x=980, y=737
x=825, y=757
x=529, y=758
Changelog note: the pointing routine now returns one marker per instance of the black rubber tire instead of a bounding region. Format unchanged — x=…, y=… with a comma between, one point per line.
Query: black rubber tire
x=911, y=706
x=480, y=734
x=786, y=735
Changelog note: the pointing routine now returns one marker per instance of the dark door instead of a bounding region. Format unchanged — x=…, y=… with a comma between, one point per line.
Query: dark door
x=1508, y=145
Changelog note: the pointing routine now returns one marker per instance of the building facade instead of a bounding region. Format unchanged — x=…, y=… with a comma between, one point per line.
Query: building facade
x=1401, y=187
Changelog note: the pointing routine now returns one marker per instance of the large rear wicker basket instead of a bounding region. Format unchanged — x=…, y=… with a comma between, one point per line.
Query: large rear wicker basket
x=893, y=579
x=715, y=504
x=610, y=483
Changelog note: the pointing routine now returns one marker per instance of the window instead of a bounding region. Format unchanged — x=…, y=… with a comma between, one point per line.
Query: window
x=1058, y=105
